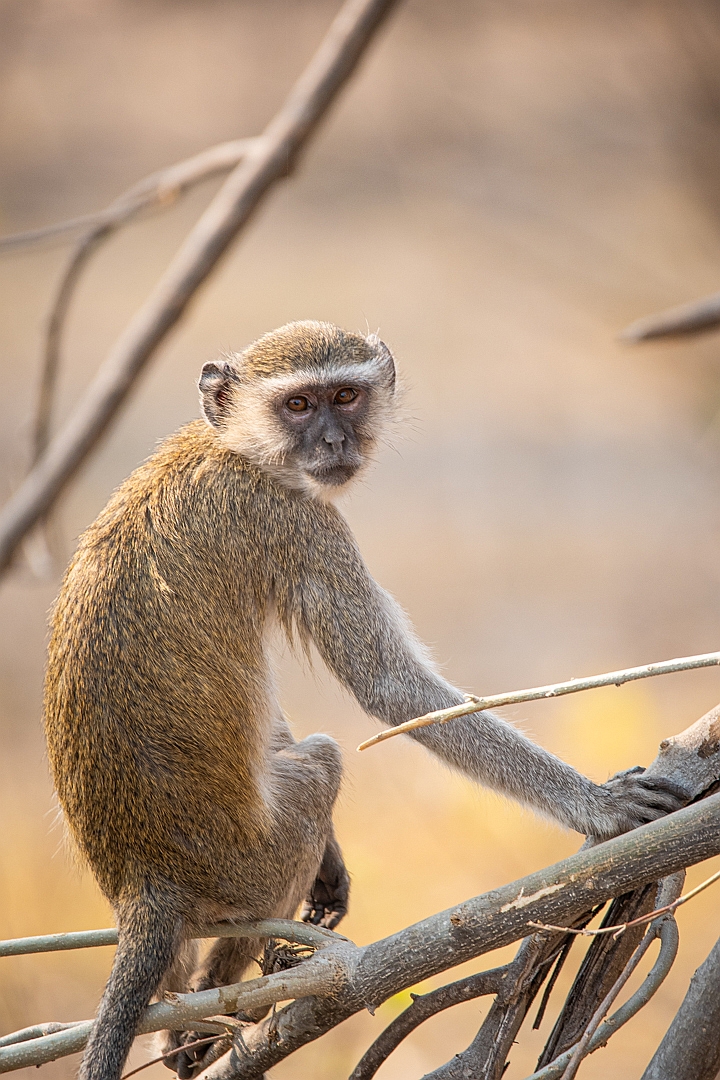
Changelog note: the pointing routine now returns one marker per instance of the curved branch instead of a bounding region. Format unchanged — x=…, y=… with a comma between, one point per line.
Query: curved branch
x=423, y=1007
x=690, y=1049
x=270, y=158
x=160, y=188
x=668, y=934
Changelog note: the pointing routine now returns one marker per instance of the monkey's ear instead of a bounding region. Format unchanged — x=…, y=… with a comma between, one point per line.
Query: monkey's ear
x=386, y=360
x=215, y=385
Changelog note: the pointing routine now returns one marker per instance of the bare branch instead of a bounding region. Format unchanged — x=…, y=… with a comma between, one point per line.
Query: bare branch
x=160, y=188
x=169, y=1054
x=690, y=1049
x=685, y=319
x=485, y=1057
x=668, y=934
x=423, y=1007
x=600, y=967
x=668, y=909
x=583, y=1047
x=270, y=158
x=536, y=693
x=37, y=1031
x=287, y=929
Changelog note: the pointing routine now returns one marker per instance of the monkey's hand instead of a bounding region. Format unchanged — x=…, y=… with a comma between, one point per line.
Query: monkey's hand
x=327, y=901
x=630, y=799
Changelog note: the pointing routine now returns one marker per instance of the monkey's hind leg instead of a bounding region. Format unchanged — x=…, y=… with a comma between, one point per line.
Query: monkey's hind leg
x=149, y=935
x=226, y=963
x=177, y=980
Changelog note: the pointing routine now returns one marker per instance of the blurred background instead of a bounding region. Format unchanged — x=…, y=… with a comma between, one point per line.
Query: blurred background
x=500, y=190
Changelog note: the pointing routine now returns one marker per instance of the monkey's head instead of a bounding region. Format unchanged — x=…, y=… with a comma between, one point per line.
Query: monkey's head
x=307, y=403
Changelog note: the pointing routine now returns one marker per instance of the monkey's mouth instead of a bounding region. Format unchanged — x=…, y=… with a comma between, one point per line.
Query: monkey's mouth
x=333, y=474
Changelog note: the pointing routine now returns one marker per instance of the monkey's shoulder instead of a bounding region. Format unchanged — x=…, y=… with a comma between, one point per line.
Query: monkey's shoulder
x=194, y=500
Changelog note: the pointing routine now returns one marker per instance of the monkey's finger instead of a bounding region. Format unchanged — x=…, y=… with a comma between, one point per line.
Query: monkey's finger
x=333, y=917
x=666, y=789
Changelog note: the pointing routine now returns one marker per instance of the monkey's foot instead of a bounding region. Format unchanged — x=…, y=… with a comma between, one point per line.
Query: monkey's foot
x=191, y=1060
x=327, y=902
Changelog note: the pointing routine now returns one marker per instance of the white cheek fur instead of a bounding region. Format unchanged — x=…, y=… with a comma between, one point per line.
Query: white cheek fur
x=254, y=429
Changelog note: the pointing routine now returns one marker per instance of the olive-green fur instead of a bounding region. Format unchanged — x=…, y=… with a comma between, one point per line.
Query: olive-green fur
x=157, y=703
x=302, y=345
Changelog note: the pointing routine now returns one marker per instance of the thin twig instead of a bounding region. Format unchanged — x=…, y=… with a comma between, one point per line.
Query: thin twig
x=423, y=1007
x=582, y=1049
x=171, y=1053
x=572, y=686
x=316, y=937
x=270, y=158
x=160, y=189
x=668, y=933
x=684, y=319
x=668, y=909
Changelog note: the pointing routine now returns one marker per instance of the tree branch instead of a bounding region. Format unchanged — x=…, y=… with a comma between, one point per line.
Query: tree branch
x=286, y=929
x=423, y=1007
x=270, y=157
x=690, y=1049
x=536, y=693
x=583, y=1047
x=668, y=935
x=160, y=188
x=684, y=319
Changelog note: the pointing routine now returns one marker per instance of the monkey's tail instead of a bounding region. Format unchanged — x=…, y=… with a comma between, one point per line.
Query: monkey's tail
x=149, y=933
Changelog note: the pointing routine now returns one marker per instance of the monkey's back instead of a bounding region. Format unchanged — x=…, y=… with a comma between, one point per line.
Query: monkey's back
x=157, y=691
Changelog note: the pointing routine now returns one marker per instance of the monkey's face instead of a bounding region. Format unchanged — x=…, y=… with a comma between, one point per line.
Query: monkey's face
x=327, y=428
x=306, y=403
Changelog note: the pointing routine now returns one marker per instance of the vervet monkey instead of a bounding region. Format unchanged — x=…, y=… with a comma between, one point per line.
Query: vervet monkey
x=179, y=778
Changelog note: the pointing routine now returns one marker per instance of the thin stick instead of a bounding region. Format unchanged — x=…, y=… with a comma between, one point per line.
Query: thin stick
x=583, y=1047
x=171, y=1053
x=287, y=929
x=271, y=157
x=160, y=188
x=684, y=319
x=668, y=909
x=572, y=686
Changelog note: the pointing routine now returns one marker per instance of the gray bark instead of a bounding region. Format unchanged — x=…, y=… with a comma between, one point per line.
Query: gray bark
x=691, y=1047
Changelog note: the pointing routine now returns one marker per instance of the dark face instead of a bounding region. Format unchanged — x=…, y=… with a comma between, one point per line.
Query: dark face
x=327, y=423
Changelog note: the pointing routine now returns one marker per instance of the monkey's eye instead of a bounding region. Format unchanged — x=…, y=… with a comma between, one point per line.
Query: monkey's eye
x=345, y=396
x=298, y=404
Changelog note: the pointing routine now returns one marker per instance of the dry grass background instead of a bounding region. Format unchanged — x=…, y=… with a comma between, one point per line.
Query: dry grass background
x=500, y=191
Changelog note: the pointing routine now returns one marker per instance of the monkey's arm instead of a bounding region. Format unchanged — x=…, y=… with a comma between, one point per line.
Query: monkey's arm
x=366, y=640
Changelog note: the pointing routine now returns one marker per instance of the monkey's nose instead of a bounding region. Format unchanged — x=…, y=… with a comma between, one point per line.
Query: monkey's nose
x=335, y=439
